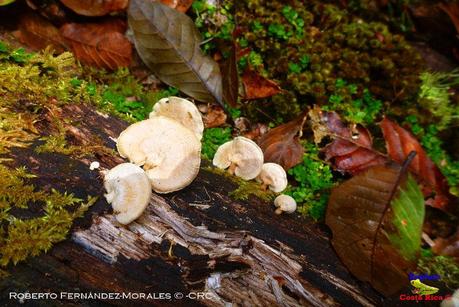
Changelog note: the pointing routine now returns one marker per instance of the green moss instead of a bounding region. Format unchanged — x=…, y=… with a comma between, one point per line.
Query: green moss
x=446, y=267
x=31, y=85
x=312, y=180
x=21, y=238
x=435, y=97
x=336, y=44
x=245, y=188
x=212, y=138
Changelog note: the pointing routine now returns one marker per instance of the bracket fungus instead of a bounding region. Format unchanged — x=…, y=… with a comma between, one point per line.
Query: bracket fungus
x=181, y=110
x=285, y=203
x=128, y=191
x=169, y=152
x=274, y=176
x=241, y=156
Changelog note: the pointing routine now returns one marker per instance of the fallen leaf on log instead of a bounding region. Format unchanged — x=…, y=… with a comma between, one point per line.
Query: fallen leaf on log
x=257, y=86
x=376, y=218
x=95, y=7
x=102, y=45
x=281, y=145
x=168, y=43
x=180, y=5
x=38, y=33
x=400, y=143
x=230, y=79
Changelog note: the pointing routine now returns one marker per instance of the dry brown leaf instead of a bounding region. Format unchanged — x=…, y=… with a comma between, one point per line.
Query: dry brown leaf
x=215, y=117
x=96, y=7
x=366, y=215
x=281, y=145
x=38, y=33
x=351, y=149
x=101, y=45
x=168, y=43
x=257, y=86
x=179, y=5
x=230, y=79
x=399, y=143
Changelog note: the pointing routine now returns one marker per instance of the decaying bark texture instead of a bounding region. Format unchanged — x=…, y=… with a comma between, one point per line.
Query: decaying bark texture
x=197, y=239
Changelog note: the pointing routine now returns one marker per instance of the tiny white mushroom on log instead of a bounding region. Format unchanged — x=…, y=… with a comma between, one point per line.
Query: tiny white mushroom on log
x=181, y=110
x=242, y=156
x=274, y=176
x=285, y=203
x=128, y=191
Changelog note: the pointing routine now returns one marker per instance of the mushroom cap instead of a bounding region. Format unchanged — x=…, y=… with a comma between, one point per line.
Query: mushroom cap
x=129, y=140
x=128, y=191
x=244, y=153
x=285, y=203
x=274, y=176
x=181, y=110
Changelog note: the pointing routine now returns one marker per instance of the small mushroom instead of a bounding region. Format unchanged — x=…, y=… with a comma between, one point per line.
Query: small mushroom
x=169, y=152
x=274, y=176
x=284, y=203
x=242, y=156
x=452, y=301
x=181, y=110
x=128, y=191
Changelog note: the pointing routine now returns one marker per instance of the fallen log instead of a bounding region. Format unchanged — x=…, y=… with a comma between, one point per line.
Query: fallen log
x=198, y=241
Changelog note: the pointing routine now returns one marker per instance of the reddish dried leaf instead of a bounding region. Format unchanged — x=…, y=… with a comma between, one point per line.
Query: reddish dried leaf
x=38, y=33
x=214, y=117
x=281, y=145
x=99, y=44
x=179, y=5
x=350, y=151
x=257, y=87
x=53, y=10
x=95, y=7
x=360, y=216
x=452, y=9
x=400, y=143
x=230, y=79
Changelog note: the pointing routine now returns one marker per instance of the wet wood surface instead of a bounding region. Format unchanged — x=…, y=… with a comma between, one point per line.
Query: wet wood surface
x=192, y=241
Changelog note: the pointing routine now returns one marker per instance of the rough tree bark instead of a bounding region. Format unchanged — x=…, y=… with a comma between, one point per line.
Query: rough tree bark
x=197, y=239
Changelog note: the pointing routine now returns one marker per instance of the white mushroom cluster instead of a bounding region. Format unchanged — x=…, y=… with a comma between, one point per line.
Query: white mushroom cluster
x=244, y=158
x=167, y=146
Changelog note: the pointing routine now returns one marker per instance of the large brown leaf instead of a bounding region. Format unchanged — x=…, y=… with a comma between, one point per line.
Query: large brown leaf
x=281, y=145
x=400, y=143
x=168, y=43
x=38, y=33
x=351, y=149
x=362, y=216
x=95, y=7
x=101, y=45
x=257, y=86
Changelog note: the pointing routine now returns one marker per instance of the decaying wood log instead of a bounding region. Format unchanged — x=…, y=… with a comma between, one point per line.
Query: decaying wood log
x=194, y=240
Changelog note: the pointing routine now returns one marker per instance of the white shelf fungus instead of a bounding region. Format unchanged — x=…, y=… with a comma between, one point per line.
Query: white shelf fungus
x=128, y=191
x=181, y=110
x=169, y=152
x=242, y=156
x=274, y=176
x=285, y=203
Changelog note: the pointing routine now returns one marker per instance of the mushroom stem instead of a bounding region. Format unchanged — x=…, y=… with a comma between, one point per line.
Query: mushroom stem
x=232, y=168
x=265, y=186
x=278, y=211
